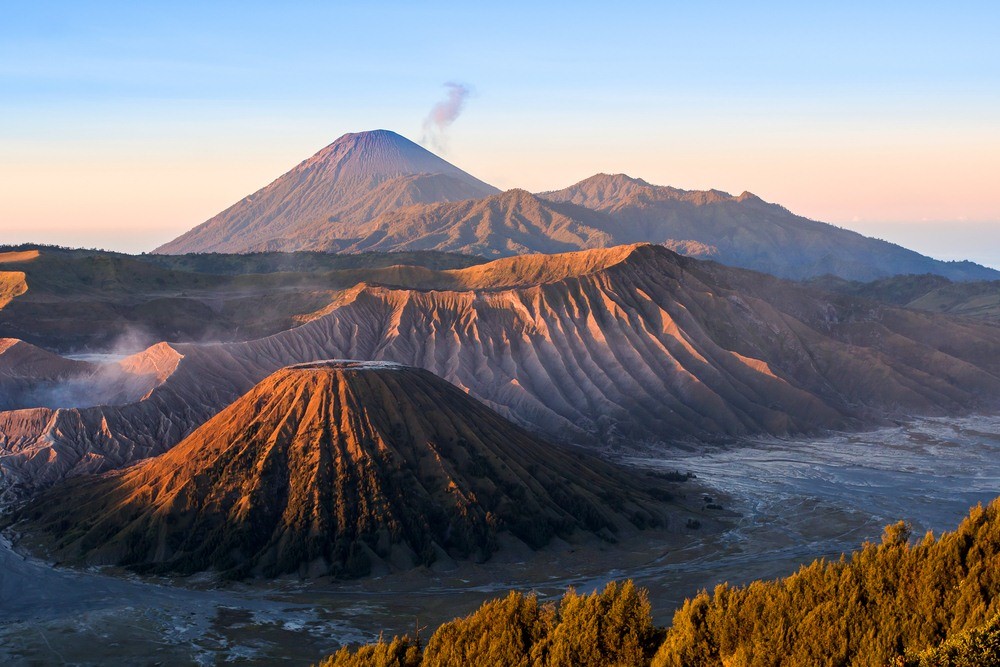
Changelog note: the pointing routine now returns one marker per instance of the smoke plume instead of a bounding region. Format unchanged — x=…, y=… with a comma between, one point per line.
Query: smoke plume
x=443, y=114
x=105, y=382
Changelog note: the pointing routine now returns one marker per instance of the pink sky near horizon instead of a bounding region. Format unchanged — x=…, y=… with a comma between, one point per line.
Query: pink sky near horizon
x=135, y=194
x=125, y=124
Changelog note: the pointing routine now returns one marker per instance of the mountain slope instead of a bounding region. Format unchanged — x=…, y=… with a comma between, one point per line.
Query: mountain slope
x=377, y=191
x=748, y=232
x=72, y=300
x=327, y=467
x=928, y=292
x=12, y=285
x=600, y=347
x=511, y=223
x=348, y=181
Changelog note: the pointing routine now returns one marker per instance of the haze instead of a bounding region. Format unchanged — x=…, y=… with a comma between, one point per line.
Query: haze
x=136, y=123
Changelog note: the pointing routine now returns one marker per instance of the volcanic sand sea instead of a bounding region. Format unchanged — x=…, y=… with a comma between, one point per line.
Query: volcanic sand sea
x=795, y=499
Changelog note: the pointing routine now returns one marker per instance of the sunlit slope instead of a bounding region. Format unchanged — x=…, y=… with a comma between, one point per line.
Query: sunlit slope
x=332, y=467
x=12, y=284
x=885, y=600
x=602, y=347
x=928, y=601
x=353, y=179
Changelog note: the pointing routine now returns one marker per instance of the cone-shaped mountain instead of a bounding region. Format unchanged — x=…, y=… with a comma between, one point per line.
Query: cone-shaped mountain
x=331, y=467
x=353, y=179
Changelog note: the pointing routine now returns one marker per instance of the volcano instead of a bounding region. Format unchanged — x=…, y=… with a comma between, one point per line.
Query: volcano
x=333, y=467
x=377, y=191
x=354, y=179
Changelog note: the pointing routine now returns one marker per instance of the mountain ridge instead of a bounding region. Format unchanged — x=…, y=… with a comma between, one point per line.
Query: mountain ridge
x=748, y=232
x=377, y=191
x=512, y=222
x=634, y=344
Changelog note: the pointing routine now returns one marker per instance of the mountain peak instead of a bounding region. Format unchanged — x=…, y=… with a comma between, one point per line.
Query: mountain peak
x=380, y=155
x=365, y=140
x=331, y=467
x=381, y=134
x=516, y=195
x=613, y=179
x=333, y=187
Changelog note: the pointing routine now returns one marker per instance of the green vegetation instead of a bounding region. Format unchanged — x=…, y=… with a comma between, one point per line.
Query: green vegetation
x=931, y=602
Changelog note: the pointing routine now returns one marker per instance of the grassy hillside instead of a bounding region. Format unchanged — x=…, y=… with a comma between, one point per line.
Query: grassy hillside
x=12, y=285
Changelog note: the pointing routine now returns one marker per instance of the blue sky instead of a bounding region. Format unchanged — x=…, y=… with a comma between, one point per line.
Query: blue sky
x=127, y=123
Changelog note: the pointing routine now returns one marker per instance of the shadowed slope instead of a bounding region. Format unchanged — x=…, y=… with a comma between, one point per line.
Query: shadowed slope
x=31, y=377
x=401, y=192
x=748, y=232
x=330, y=466
x=515, y=222
x=345, y=182
x=928, y=292
x=24, y=368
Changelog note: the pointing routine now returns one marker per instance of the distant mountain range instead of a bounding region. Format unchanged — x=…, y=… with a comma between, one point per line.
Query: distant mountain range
x=748, y=232
x=378, y=191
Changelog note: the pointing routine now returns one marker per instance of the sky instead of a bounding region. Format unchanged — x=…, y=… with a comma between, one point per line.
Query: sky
x=124, y=124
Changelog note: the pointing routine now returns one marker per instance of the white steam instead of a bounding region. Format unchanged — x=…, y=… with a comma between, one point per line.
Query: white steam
x=443, y=114
x=96, y=379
